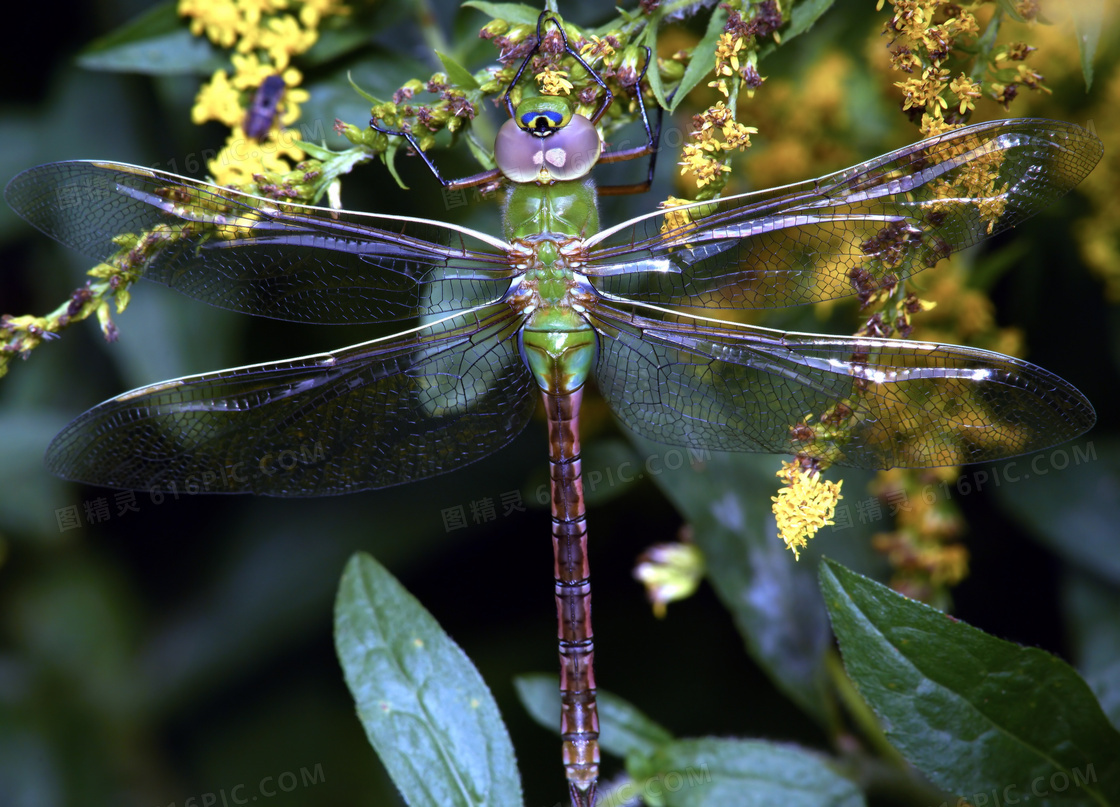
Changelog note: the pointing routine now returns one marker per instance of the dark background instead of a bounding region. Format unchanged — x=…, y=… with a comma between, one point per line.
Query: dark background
x=185, y=649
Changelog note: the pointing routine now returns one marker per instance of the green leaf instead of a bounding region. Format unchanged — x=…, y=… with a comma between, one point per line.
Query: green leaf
x=425, y=708
x=649, y=39
x=1088, y=20
x=1068, y=497
x=372, y=99
x=481, y=154
x=390, y=162
x=703, y=57
x=974, y=713
x=624, y=729
x=516, y=13
x=458, y=75
x=744, y=773
x=804, y=16
x=157, y=42
x=1091, y=608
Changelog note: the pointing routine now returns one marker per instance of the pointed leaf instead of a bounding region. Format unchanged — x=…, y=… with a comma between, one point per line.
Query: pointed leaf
x=1088, y=20
x=804, y=15
x=390, y=162
x=158, y=42
x=516, y=13
x=744, y=773
x=703, y=57
x=624, y=729
x=649, y=39
x=974, y=713
x=372, y=99
x=458, y=75
x=425, y=708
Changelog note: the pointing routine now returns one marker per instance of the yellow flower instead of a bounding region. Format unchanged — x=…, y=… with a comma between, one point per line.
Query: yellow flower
x=803, y=505
x=674, y=219
x=696, y=160
x=249, y=72
x=220, y=20
x=554, y=82
x=283, y=38
x=596, y=48
x=242, y=159
x=219, y=101
x=966, y=90
x=727, y=54
x=312, y=11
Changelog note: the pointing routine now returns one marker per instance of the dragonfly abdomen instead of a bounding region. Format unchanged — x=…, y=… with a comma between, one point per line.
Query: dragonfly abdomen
x=579, y=716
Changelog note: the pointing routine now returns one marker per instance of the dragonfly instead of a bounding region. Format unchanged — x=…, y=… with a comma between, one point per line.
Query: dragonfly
x=645, y=308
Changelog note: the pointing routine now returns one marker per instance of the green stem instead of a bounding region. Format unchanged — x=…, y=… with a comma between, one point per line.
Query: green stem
x=984, y=47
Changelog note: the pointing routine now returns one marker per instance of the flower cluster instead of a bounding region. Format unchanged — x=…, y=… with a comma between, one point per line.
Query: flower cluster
x=804, y=504
x=938, y=44
x=715, y=132
x=554, y=82
x=265, y=35
x=923, y=549
x=741, y=34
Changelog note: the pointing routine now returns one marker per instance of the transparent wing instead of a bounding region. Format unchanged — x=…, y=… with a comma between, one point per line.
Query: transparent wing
x=259, y=256
x=849, y=233
x=370, y=416
x=868, y=403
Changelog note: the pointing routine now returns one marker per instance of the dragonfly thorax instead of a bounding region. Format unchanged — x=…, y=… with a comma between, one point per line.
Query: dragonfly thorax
x=550, y=281
x=557, y=343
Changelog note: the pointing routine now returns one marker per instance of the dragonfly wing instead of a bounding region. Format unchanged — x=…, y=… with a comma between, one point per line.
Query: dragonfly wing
x=850, y=233
x=260, y=256
x=370, y=416
x=868, y=403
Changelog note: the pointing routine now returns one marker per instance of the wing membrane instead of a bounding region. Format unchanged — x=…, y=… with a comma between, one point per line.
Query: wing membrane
x=370, y=416
x=849, y=233
x=258, y=256
x=868, y=403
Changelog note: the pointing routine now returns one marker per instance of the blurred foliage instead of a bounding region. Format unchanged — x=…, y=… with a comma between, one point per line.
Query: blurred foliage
x=154, y=653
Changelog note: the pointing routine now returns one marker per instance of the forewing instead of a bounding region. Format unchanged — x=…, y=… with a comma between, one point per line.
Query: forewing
x=850, y=233
x=259, y=256
x=370, y=416
x=868, y=403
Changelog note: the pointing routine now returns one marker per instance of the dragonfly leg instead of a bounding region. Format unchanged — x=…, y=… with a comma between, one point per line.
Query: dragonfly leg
x=493, y=175
x=608, y=96
x=651, y=147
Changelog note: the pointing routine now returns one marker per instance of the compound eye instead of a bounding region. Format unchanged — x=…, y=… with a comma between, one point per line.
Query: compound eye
x=573, y=151
x=516, y=152
x=567, y=154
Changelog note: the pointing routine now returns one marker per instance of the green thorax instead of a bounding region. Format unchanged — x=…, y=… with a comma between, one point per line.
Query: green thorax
x=558, y=344
x=561, y=209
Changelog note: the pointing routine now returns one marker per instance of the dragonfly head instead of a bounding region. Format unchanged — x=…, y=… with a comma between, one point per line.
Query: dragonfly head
x=546, y=142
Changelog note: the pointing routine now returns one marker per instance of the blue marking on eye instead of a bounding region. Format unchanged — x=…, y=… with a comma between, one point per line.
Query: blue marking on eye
x=529, y=118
